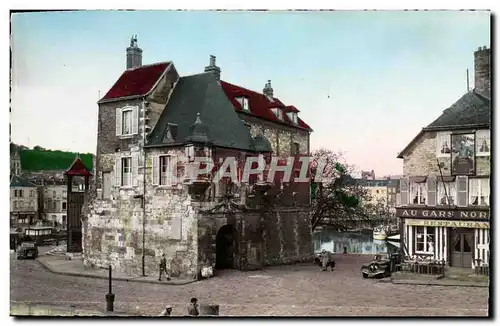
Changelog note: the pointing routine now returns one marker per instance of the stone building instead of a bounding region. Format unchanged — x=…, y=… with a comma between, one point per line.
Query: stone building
x=153, y=121
x=23, y=202
x=445, y=191
x=15, y=160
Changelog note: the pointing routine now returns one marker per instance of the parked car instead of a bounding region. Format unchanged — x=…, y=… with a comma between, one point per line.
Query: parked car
x=27, y=249
x=380, y=267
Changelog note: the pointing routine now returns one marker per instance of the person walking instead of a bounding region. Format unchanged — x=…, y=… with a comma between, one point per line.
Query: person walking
x=163, y=268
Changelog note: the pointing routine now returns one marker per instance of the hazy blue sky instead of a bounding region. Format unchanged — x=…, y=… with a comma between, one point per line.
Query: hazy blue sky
x=366, y=82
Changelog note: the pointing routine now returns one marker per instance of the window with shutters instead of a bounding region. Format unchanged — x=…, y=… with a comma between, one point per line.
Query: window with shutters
x=165, y=170
x=479, y=192
x=424, y=239
x=418, y=193
x=64, y=205
x=443, y=144
x=483, y=142
x=447, y=193
x=126, y=171
x=21, y=193
x=127, y=121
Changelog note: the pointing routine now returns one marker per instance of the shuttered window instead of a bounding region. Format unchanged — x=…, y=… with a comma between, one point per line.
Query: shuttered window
x=127, y=121
x=447, y=189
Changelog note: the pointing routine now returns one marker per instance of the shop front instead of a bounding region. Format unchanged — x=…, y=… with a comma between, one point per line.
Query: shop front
x=458, y=237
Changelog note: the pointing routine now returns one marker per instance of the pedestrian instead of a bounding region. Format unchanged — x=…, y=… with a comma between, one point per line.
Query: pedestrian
x=167, y=311
x=163, y=268
x=193, y=308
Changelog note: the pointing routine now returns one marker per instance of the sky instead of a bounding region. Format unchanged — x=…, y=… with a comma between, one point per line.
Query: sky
x=365, y=81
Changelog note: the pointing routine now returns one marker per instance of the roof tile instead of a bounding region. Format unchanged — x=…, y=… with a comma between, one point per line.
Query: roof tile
x=136, y=82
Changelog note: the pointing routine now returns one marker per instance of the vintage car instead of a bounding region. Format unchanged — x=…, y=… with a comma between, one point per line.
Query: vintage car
x=380, y=267
x=27, y=249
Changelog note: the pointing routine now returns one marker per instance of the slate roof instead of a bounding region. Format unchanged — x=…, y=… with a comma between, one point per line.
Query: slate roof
x=373, y=183
x=202, y=94
x=136, y=82
x=472, y=110
x=260, y=106
x=17, y=181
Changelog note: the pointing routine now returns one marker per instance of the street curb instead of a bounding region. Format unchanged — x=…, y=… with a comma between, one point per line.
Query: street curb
x=119, y=278
x=462, y=284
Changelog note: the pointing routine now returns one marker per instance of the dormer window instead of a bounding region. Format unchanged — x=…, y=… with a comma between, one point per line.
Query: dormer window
x=278, y=113
x=293, y=117
x=244, y=103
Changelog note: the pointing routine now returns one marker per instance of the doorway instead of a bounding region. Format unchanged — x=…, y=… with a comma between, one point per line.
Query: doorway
x=462, y=241
x=224, y=248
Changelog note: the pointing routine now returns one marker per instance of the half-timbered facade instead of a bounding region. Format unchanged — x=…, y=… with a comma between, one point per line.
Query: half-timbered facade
x=444, y=201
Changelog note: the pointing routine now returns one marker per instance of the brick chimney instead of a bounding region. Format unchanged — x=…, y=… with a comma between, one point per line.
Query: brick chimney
x=482, y=71
x=134, y=54
x=212, y=67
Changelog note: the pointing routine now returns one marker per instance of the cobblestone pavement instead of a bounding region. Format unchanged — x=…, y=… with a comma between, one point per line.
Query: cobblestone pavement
x=298, y=290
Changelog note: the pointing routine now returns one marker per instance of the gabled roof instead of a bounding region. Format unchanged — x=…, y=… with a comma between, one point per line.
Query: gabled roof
x=17, y=181
x=471, y=111
x=260, y=106
x=136, y=82
x=202, y=94
x=77, y=168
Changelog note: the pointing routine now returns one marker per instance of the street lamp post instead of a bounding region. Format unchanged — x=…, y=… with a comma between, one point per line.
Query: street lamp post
x=110, y=297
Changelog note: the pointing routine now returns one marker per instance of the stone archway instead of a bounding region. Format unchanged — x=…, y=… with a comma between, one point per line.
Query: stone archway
x=225, y=247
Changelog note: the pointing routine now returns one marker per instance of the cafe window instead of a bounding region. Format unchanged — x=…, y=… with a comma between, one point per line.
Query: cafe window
x=424, y=239
x=447, y=189
x=479, y=192
x=418, y=193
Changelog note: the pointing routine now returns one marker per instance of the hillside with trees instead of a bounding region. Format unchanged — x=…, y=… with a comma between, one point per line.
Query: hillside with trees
x=41, y=159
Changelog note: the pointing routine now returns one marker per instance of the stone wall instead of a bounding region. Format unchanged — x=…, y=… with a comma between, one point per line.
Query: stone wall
x=280, y=136
x=421, y=159
x=287, y=236
x=115, y=225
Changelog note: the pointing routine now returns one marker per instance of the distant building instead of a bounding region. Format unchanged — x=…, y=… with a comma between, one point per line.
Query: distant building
x=23, y=202
x=368, y=175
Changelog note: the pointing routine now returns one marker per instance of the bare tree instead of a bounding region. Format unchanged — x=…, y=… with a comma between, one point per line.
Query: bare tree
x=341, y=202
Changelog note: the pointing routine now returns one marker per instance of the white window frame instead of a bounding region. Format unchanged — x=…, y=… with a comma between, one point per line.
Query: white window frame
x=451, y=190
x=293, y=117
x=16, y=204
x=245, y=105
x=441, y=138
x=21, y=193
x=278, y=113
x=483, y=135
x=165, y=170
x=127, y=124
x=479, y=187
x=420, y=189
x=134, y=121
x=126, y=176
x=426, y=234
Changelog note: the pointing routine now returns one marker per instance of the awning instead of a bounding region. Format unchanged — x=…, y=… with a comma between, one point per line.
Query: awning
x=447, y=178
x=417, y=179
